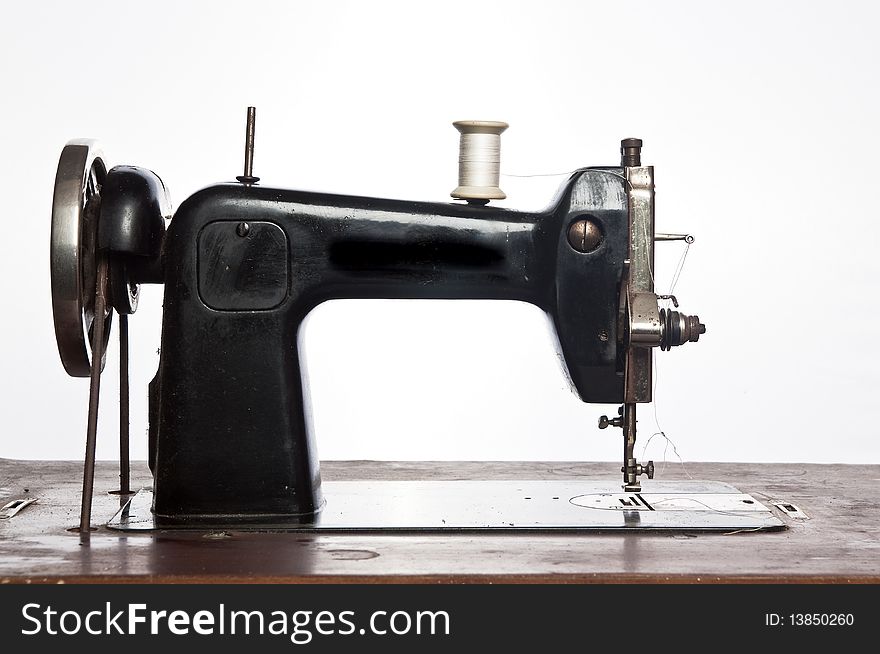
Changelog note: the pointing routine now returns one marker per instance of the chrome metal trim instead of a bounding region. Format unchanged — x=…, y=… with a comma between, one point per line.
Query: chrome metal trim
x=640, y=285
x=81, y=170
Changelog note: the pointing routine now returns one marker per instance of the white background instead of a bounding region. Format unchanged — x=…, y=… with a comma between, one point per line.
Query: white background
x=761, y=120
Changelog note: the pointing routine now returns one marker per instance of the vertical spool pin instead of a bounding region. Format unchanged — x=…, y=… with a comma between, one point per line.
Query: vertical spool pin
x=479, y=161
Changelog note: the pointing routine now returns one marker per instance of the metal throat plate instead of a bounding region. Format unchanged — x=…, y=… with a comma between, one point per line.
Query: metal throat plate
x=529, y=505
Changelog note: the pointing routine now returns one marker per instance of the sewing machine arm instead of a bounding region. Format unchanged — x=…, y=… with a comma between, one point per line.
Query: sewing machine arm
x=244, y=265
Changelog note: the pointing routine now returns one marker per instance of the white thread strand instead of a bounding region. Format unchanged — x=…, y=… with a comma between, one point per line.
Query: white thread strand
x=567, y=172
x=679, y=268
x=698, y=502
x=660, y=431
x=648, y=239
x=675, y=277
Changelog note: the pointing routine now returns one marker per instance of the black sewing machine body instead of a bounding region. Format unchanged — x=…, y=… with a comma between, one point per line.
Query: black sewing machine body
x=230, y=428
x=231, y=440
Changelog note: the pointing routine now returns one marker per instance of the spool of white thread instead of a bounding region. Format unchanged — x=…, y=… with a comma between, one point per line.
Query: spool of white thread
x=479, y=160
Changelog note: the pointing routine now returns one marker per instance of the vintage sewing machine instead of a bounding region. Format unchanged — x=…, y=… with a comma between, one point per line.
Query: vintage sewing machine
x=230, y=434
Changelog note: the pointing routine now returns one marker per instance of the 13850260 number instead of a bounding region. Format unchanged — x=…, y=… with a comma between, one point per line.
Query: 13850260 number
x=821, y=619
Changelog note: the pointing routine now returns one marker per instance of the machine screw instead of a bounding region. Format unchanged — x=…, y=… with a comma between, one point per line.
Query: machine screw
x=584, y=235
x=243, y=229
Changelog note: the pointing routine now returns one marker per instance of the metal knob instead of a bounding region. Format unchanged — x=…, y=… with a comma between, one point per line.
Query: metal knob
x=605, y=421
x=678, y=328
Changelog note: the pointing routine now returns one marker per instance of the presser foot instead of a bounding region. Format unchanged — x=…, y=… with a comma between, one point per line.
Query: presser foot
x=631, y=473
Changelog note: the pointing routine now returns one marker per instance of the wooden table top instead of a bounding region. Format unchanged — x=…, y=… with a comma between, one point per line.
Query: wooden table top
x=840, y=542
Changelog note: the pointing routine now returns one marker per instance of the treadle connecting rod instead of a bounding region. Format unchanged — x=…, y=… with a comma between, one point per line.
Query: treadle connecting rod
x=124, y=456
x=85, y=515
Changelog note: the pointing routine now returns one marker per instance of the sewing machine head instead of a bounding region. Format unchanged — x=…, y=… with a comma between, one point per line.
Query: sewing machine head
x=230, y=435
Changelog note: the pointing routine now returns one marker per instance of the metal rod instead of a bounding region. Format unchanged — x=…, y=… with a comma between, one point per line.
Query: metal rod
x=85, y=517
x=630, y=470
x=687, y=238
x=124, y=459
x=250, y=128
x=249, y=142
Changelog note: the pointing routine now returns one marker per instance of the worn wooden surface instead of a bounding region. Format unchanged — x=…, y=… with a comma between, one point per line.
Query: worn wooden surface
x=839, y=543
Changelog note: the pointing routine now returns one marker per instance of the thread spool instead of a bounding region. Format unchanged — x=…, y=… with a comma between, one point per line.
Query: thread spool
x=479, y=161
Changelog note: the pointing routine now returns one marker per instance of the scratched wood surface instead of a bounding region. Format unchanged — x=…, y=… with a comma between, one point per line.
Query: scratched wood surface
x=839, y=543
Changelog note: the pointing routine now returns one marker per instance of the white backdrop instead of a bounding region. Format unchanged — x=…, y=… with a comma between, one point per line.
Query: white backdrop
x=761, y=120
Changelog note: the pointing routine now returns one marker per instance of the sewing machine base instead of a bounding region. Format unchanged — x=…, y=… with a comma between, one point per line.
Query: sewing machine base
x=493, y=505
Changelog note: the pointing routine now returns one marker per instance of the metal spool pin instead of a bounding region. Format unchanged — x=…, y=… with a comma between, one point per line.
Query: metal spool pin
x=250, y=130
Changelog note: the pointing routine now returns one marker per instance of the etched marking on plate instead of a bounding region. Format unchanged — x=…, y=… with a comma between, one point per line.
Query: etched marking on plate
x=718, y=502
